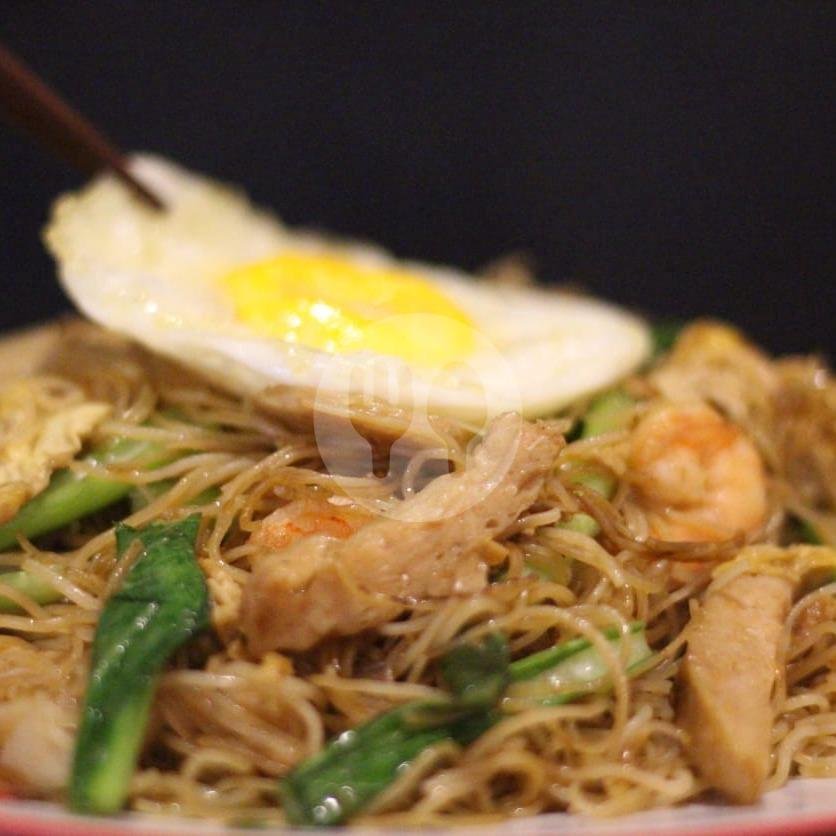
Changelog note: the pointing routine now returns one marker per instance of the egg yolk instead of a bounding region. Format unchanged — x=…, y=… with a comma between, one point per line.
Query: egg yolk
x=340, y=306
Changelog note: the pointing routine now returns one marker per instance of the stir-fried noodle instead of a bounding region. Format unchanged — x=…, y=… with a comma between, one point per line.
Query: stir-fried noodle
x=749, y=455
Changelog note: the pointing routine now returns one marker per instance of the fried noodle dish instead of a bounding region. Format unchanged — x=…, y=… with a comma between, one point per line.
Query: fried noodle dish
x=269, y=604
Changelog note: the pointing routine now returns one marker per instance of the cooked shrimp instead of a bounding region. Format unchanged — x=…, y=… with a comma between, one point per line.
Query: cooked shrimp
x=304, y=518
x=696, y=475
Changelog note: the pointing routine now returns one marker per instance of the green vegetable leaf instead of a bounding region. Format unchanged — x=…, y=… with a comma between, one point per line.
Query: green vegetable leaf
x=476, y=675
x=565, y=672
x=71, y=496
x=557, y=567
x=38, y=590
x=162, y=603
x=608, y=412
x=664, y=334
x=806, y=532
x=353, y=769
x=342, y=779
x=357, y=766
x=582, y=524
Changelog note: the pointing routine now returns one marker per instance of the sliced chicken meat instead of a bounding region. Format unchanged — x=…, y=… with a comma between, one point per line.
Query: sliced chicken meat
x=727, y=680
x=429, y=547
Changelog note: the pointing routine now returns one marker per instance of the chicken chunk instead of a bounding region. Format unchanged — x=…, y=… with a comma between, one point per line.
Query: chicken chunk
x=428, y=548
x=727, y=679
x=37, y=737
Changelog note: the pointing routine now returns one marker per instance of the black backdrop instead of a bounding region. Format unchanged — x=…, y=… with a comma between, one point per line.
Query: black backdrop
x=672, y=156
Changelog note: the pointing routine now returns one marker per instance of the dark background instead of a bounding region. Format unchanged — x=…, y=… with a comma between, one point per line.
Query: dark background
x=677, y=157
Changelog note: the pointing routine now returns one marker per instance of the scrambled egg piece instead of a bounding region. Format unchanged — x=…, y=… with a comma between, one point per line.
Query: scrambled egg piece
x=43, y=422
x=226, y=595
x=713, y=362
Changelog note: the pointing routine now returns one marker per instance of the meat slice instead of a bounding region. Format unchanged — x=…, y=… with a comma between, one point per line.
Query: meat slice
x=429, y=548
x=37, y=743
x=727, y=680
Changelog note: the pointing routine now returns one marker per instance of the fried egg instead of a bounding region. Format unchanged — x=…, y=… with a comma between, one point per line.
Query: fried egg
x=228, y=290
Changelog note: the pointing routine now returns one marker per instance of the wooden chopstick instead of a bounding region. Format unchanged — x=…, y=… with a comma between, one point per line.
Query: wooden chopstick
x=37, y=109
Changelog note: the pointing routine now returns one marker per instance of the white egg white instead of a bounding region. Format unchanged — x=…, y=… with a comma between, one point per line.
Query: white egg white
x=153, y=276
